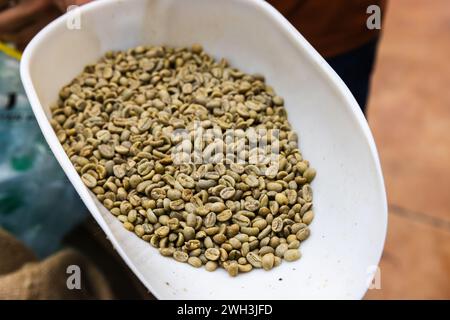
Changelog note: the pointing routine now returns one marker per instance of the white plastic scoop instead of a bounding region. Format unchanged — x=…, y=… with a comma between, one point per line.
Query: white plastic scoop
x=350, y=205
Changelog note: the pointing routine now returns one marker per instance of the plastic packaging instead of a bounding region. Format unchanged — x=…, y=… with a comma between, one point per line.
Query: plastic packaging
x=37, y=202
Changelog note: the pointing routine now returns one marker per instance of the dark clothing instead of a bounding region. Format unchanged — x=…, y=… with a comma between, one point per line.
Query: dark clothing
x=332, y=27
x=337, y=30
x=355, y=68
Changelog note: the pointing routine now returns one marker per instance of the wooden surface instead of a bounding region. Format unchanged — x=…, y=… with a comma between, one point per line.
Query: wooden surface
x=409, y=113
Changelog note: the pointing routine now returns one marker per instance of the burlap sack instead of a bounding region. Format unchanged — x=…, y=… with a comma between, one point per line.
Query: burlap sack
x=22, y=276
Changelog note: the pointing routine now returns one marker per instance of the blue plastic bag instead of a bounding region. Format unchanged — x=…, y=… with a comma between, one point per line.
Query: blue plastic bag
x=37, y=202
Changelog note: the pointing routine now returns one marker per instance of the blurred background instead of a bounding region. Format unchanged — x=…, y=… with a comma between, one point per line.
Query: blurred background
x=409, y=113
x=408, y=110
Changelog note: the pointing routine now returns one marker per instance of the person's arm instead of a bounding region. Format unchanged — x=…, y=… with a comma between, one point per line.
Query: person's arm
x=64, y=4
x=21, y=20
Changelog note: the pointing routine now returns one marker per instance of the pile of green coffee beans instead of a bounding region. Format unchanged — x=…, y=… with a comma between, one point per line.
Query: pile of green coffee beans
x=193, y=156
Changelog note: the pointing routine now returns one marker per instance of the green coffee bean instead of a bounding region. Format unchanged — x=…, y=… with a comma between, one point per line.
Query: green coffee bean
x=89, y=180
x=235, y=243
x=281, y=199
x=116, y=122
x=294, y=244
x=254, y=260
x=292, y=255
x=224, y=215
x=162, y=231
x=167, y=252
x=211, y=266
x=268, y=261
x=129, y=226
x=188, y=233
x=309, y=174
x=233, y=269
x=281, y=249
x=277, y=224
x=308, y=217
x=251, y=231
x=266, y=249
x=195, y=262
x=245, y=267
x=302, y=234
x=180, y=256
x=277, y=261
x=274, y=186
x=227, y=193
x=210, y=220
x=212, y=254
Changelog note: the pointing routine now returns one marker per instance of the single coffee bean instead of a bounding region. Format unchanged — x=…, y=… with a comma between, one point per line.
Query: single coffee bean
x=292, y=255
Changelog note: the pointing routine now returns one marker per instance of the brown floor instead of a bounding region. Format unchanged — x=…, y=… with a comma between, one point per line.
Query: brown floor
x=410, y=118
